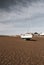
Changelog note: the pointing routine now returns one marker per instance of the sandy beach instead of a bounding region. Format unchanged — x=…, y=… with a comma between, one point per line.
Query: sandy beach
x=16, y=51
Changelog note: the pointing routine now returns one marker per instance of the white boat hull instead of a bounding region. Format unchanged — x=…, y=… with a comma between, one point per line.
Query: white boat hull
x=26, y=36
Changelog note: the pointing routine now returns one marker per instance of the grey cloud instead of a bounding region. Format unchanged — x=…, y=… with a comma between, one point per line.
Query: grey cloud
x=5, y=4
x=37, y=16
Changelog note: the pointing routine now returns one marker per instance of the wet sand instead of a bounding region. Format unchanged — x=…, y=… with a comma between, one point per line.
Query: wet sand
x=16, y=51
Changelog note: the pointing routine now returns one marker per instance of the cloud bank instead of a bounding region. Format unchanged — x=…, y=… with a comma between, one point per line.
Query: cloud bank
x=19, y=16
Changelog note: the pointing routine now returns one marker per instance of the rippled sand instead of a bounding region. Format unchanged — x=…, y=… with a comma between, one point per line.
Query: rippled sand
x=16, y=51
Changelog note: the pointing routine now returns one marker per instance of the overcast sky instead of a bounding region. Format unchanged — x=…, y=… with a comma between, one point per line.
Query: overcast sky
x=21, y=16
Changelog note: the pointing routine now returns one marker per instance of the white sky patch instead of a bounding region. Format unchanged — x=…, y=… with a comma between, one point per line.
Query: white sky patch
x=18, y=18
x=4, y=27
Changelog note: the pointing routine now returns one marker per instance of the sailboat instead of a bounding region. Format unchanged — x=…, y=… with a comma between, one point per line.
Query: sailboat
x=27, y=36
